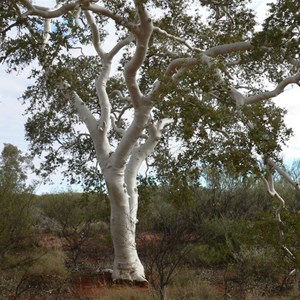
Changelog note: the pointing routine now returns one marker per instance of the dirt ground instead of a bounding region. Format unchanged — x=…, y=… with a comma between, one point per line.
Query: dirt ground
x=100, y=285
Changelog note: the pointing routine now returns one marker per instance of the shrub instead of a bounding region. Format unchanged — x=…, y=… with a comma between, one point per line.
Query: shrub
x=219, y=240
x=49, y=264
x=74, y=218
x=165, y=250
x=257, y=264
x=204, y=255
x=264, y=234
x=16, y=222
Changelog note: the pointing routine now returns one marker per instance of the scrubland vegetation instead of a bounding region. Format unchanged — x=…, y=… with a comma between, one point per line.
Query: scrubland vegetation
x=214, y=241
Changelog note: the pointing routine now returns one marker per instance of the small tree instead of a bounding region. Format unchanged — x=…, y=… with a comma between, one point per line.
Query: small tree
x=166, y=249
x=16, y=221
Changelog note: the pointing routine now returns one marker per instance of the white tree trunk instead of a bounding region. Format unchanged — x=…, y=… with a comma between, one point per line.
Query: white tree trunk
x=123, y=194
x=127, y=265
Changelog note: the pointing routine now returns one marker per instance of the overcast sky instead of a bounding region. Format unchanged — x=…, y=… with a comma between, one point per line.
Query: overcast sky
x=12, y=120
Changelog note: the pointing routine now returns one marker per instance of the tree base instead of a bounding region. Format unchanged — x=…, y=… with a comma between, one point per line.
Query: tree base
x=108, y=273
x=126, y=282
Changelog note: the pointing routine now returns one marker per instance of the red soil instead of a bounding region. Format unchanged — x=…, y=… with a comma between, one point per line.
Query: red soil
x=99, y=285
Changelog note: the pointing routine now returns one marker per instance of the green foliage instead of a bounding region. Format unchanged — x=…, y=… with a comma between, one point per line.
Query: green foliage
x=16, y=218
x=219, y=242
x=147, y=189
x=280, y=35
x=13, y=166
x=60, y=120
x=206, y=256
x=73, y=211
x=16, y=223
x=234, y=220
x=265, y=233
x=77, y=218
x=257, y=264
x=207, y=127
x=282, y=24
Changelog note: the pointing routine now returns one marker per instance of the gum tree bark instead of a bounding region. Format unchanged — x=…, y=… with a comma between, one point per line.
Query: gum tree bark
x=120, y=177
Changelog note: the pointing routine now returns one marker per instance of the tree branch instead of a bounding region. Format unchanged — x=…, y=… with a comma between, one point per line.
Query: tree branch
x=118, y=93
x=107, y=13
x=95, y=33
x=175, y=38
x=132, y=66
x=140, y=154
x=295, y=62
x=179, y=63
x=97, y=133
x=269, y=182
x=84, y=113
x=117, y=129
x=284, y=174
x=228, y=48
x=278, y=90
x=176, y=67
x=120, y=45
x=103, y=97
x=131, y=135
x=45, y=12
x=47, y=31
x=271, y=189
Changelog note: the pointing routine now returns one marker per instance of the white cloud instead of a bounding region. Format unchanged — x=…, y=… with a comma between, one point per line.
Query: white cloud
x=48, y=3
x=290, y=100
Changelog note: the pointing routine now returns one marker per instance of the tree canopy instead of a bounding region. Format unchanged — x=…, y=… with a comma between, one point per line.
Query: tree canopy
x=13, y=170
x=203, y=61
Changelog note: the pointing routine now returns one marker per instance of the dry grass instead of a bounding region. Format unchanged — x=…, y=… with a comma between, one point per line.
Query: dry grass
x=195, y=291
x=187, y=286
x=190, y=285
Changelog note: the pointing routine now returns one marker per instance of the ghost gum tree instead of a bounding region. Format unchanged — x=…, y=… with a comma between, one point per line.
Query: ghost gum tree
x=191, y=73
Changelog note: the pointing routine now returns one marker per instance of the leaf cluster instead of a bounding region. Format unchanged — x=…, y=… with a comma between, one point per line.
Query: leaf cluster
x=208, y=128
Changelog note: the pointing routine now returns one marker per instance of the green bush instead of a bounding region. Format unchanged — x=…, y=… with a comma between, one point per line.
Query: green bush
x=204, y=255
x=16, y=222
x=257, y=264
x=76, y=218
x=219, y=240
x=264, y=234
x=16, y=219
